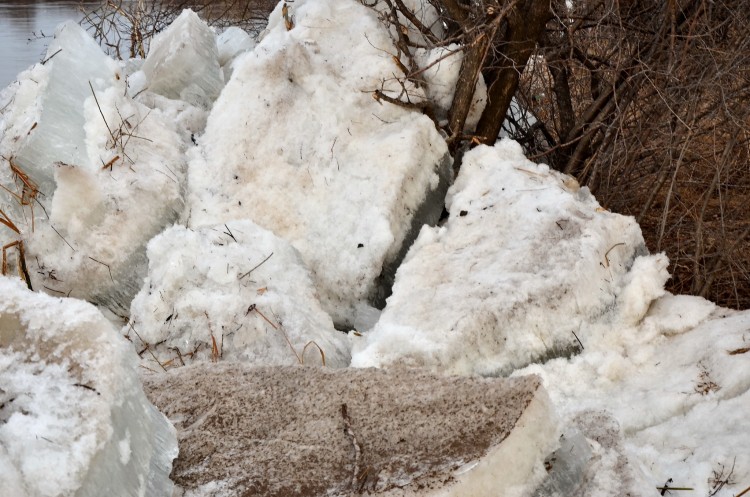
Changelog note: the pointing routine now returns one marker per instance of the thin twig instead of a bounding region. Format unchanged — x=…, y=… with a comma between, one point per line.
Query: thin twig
x=107, y=266
x=256, y=267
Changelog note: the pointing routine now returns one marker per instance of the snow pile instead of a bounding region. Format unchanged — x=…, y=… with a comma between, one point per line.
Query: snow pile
x=73, y=417
x=675, y=389
x=526, y=262
x=104, y=175
x=316, y=431
x=233, y=291
x=183, y=62
x=231, y=43
x=297, y=143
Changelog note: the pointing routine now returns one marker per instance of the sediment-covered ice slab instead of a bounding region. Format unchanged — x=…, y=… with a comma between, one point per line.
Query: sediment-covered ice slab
x=297, y=143
x=300, y=431
x=524, y=264
x=231, y=291
x=73, y=417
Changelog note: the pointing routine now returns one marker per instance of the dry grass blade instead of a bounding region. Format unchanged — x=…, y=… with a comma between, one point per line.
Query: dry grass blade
x=279, y=327
x=322, y=354
x=5, y=220
x=148, y=347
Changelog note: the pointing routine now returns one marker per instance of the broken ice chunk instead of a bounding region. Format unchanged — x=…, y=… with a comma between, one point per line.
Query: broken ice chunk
x=73, y=417
x=232, y=43
x=183, y=62
x=296, y=143
x=565, y=466
x=77, y=64
x=232, y=291
x=523, y=267
x=92, y=245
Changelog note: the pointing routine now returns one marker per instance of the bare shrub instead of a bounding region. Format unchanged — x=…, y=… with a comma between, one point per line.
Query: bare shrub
x=643, y=102
x=125, y=27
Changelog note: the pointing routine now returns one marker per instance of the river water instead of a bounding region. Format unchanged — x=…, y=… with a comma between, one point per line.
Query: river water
x=26, y=27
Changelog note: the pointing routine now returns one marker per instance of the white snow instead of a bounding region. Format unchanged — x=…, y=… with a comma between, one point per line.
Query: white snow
x=236, y=286
x=73, y=416
x=526, y=261
x=297, y=143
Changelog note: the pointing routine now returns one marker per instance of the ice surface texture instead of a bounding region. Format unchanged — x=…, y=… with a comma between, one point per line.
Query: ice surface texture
x=75, y=60
x=284, y=432
x=232, y=42
x=73, y=417
x=110, y=174
x=296, y=143
x=183, y=62
x=526, y=260
x=235, y=285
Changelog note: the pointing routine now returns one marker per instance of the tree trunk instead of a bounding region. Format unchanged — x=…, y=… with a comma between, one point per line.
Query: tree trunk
x=525, y=26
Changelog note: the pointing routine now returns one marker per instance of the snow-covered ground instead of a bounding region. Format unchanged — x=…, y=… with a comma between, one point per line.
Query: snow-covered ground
x=234, y=199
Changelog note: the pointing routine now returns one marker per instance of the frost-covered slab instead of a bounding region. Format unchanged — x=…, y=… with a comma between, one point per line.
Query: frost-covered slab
x=524, y=264
x=297, y=431
x=232, y=291
x=73, y=417
x=183, y=62
x=297, y=143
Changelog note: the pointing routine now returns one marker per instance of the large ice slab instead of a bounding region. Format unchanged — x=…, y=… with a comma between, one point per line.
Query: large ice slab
x=660, y=399
x=525, y=263
x=299, y=431
x=297, y=143
x=232, y=291
x=76, y=64
x=73, y=417
x=88, y=175
x=92, y=245
x=183, y=62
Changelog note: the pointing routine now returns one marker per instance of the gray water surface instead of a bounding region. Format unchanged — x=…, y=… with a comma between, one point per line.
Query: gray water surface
x=26, y=27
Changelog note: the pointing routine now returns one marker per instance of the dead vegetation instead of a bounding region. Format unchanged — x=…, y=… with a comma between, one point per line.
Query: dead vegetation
x=25, y=192
x=645, y=103
x=720, y=477
x=213, y=346
x=705, y=383
x=125, y=27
